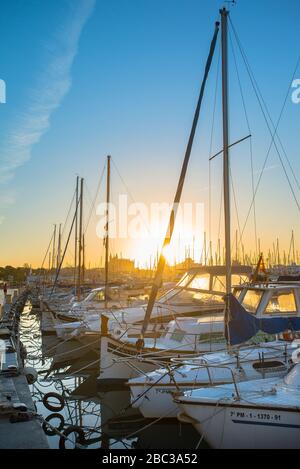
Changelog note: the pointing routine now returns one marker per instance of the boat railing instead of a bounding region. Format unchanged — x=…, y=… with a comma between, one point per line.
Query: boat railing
x=194, y=342
x=208, y=368
x=281, y=349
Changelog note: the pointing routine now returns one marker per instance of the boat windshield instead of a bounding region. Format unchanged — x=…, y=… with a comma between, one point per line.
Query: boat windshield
x=210, y=282
x=99, y=295
x=187, y=296
x=219, y=282
x=282, y=302
x=93, y=295
x=237, y=292
x=251, y=300
x=200, y=289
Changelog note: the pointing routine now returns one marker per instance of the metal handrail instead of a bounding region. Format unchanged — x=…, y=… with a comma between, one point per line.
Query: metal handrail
x=207, y=367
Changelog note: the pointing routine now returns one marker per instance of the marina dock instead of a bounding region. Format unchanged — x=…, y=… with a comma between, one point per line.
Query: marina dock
x=20, y=426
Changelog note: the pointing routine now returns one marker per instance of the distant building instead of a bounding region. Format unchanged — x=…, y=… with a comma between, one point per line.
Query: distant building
x=119, y=265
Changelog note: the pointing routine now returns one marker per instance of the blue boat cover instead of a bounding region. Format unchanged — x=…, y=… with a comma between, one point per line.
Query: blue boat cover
x=241, y=326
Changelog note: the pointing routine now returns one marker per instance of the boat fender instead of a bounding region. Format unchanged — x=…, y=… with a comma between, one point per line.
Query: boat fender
x=48, y=430
x=31, y=374
x=80, y=437
x=53, y=395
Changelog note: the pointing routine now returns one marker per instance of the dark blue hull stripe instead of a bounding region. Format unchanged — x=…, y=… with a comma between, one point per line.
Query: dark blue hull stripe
x=269, y=424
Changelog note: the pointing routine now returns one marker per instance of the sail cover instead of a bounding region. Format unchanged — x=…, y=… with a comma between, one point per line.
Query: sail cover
x=241, y=326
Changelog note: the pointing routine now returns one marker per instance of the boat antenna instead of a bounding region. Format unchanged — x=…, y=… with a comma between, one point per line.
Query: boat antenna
x=162, y=261
x=230, y=3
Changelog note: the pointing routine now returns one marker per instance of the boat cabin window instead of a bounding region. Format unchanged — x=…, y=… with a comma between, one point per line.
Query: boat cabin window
x=164, y=333
x=189, y=294
x=211, y=337
x=251, y=300
x=219, y=282
x=100, y=296
x=200, y=282
x=185, y=280
x=184, y=297
x=177, y=335
x=271, y=365
x=237, y=292
x=113, y=293
x=282, y=302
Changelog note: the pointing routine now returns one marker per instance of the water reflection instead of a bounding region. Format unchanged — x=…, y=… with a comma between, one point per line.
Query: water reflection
x=100, y=419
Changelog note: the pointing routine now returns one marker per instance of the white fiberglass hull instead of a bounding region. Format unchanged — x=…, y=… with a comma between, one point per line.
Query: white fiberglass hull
x=245, y=427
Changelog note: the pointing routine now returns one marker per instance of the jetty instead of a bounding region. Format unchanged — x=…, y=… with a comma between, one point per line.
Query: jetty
x=20, y=426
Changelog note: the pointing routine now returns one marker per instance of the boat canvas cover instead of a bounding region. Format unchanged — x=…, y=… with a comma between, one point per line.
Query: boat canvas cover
x=242, y=326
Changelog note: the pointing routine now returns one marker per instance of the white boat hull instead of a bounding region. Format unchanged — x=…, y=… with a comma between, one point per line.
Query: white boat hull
x=157, y=401
x=245, y=427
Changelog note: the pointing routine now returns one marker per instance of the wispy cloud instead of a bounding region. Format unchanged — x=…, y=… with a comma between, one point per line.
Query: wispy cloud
x=267, y=168
x=7, y=198
x=53, y=84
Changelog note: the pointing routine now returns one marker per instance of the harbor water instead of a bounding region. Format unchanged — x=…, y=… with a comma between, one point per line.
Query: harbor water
x=100, y=419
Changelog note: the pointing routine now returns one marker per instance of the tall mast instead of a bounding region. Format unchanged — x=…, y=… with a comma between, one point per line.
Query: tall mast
x=226, y=171
x=49, y=267
x=54, y=248
x=107, y=228
x=80, y=240
x=59, y=247
x=278, y=252
x=83, y=260
x=76, y=232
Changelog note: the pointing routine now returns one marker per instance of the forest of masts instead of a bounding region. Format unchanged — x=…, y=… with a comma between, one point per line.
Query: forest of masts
x=209, y=255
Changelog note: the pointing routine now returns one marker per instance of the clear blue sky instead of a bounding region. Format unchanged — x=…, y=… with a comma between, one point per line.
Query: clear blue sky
x=86, y=78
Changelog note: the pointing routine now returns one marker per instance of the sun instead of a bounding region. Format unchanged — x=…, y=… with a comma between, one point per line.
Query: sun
x=169, y=254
